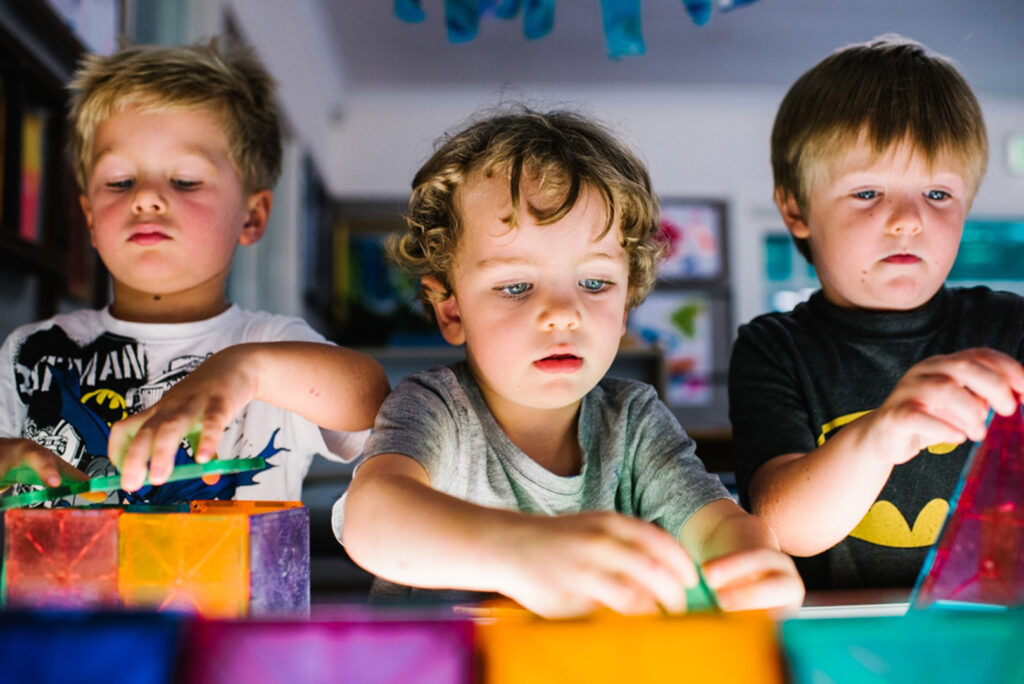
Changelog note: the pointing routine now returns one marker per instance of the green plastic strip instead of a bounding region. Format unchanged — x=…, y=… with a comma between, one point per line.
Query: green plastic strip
x=109, y=483
x=701, y=597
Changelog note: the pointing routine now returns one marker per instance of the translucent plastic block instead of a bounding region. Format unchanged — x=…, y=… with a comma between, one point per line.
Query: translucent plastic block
x=63, y=557
x=245, y=507
x=279, y=562
x=278, y=553
x=191, y=562
x=923, y=646
x=399, y=651
x=978, y=559
x=694, y=648
x=62, y=647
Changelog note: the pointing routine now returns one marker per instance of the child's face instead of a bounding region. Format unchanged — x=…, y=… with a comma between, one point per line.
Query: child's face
x=884, y=230
x=166, y=208
x=540, y=308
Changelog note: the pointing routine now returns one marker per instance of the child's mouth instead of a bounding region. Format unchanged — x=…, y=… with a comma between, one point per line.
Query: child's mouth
x=559, y=363
x=902, y=259
x=146, y=239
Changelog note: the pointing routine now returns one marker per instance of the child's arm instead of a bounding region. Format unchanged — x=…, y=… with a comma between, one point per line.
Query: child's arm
x=47, y=465
x=333, y=387
x=813, y=500
x=741, y=560
x=399, y=528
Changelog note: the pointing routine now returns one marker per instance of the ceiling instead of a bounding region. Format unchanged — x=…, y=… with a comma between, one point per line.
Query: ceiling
x=767, y=43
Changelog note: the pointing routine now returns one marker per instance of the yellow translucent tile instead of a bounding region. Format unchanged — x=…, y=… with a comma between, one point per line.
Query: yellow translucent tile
x=219, y=507
x=699, y=648
x=181, y=561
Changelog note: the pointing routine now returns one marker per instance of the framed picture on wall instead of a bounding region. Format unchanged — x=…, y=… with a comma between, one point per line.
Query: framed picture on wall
x=693, y=231
x=680, y=323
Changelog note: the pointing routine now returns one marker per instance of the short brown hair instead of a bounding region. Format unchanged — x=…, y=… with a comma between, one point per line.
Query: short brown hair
x=563, y=148
x=228, y=80
x=890, y=90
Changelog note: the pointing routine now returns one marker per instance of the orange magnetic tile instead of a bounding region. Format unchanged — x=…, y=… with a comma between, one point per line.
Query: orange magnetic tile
x=66, y=557
x=699, y=648
x=193, y=562
x=220, y=507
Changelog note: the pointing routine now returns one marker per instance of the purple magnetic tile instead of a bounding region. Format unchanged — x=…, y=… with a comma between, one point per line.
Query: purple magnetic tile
x=66, y=557
x=279, y=562
x=374, y=651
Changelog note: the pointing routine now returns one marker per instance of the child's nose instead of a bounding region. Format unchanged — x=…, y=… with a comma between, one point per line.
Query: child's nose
x=905, y=218
x=560, y=313
x=148, y=200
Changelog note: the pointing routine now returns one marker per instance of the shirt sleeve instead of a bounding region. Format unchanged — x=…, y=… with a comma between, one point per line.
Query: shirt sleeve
x=766, y=406
x=669, y=482
x=416, y=420
x=12, y=410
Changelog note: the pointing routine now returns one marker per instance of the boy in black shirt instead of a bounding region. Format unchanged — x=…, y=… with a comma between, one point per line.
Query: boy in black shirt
x=853, y=414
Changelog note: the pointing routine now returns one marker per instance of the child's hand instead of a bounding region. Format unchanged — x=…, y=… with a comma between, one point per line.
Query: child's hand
x=207, y=399
x=755, y=579
x=945, y=400
x=46, y=464
x=571, y=565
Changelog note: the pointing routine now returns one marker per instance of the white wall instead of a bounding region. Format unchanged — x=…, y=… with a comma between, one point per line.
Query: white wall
x=697, y=142
x=291, y=39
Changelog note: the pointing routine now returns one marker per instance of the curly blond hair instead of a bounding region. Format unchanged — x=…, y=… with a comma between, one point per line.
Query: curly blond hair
x=228, y=80
x=567, y=151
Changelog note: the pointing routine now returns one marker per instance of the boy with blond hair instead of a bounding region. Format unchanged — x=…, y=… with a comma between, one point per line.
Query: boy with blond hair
x=853, y=414
x=523, y=470
x=176, y=150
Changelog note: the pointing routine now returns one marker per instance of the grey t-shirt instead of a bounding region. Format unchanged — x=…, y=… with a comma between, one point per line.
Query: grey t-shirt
x=637, y=460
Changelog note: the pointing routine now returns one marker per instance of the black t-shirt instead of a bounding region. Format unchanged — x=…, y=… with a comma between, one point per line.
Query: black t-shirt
x=796, y=378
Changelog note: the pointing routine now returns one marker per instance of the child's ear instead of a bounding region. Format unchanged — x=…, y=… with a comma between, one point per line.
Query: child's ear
x=792, y=214
x=256, y=219
x=446, y=311
x=83, y=201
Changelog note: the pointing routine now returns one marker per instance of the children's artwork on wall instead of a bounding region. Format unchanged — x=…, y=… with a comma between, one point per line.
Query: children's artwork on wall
x=692, y=233
x=679, y=322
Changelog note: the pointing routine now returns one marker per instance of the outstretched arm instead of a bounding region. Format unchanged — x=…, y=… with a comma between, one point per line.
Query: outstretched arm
x=813, y=500
x=333, y=387
x=399, y=528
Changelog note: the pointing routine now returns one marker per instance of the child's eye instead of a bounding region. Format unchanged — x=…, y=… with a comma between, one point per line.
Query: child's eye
x=182, y=184
x=866, y=194
x=594, y=284
x=125, y=184
x=514, y=290
x=937, y=195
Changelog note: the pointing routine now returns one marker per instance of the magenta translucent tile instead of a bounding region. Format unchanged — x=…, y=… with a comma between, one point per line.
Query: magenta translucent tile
x=416, y=651
x=279, y=562
x=979, y=557
x=65, y=557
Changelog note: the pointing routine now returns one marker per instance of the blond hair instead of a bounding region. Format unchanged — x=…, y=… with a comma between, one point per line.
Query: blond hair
x=228, y=80
x=888, y=91
x=563, y=150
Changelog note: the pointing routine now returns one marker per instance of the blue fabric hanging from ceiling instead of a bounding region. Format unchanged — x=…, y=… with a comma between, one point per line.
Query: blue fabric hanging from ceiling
x=620, y=19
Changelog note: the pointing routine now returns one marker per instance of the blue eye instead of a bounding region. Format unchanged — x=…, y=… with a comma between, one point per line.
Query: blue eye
x=937, y=195
x=866, y=194
x=121, y=184
x=184, y=184
x=514, y=290
x=594, y=284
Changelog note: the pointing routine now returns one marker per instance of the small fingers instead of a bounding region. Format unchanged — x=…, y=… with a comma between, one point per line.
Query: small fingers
x=755, y=579
x=45, y=464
